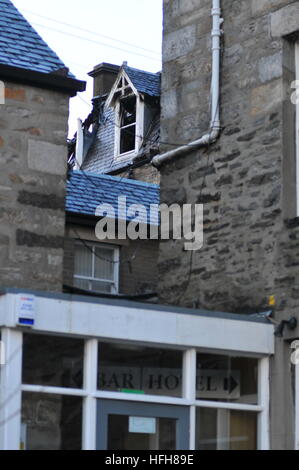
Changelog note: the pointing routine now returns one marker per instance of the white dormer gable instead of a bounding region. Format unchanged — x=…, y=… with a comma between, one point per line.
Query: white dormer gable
x=128, y=104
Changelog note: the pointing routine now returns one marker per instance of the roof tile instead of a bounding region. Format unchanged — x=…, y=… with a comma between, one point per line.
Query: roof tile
x=21, y=46
x=86, y=191
x=145, y=82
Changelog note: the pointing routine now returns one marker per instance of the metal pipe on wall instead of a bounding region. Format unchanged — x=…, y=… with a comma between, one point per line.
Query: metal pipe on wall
x=214, y=130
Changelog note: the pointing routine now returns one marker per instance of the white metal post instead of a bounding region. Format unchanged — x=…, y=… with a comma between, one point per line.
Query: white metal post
x=89, y=402
x=10, y=390
x=297, y=122
x=264, y=401
x=79, y=146
x=189, y=374
x=296, y=405
x=189, y=390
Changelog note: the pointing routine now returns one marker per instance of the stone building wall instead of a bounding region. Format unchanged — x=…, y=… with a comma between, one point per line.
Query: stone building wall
x=33, y=129
x=139, y=275
x=246, y=180
x=146, y=172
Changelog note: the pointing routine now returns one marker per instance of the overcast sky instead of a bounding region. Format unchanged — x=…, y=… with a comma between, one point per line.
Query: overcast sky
x=120, y=30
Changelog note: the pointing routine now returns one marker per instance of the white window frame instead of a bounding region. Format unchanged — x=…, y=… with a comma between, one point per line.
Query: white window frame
x=115, y=249
x=90, y=394
x=96, y=322
x=261, y=409
x=10, y=390
x=297, y=406
x=139, y=134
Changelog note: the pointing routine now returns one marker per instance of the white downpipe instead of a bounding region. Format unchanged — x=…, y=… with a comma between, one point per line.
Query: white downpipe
x=79, y=146
x=214, y=131
x=216, y=48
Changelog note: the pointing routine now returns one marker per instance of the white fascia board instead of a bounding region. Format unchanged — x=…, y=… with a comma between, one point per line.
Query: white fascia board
x=147, y=326
x=121, y=74
x=113, y=90
x=3, y=301
x=134, y=89
x=226, y=334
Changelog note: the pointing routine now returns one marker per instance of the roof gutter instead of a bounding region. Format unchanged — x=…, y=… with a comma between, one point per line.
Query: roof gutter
x=50, y=81
x=214, y=131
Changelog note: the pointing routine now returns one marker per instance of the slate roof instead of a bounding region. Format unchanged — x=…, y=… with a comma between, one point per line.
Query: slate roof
x=145, y=82
x=100, y=157
x=86, y=191
x=21, y=46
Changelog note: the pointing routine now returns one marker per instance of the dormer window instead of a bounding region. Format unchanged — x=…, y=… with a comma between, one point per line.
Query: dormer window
x=129, y=117
x=136, y=105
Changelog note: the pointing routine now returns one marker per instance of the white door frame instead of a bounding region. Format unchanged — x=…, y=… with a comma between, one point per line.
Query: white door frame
x=10, y=390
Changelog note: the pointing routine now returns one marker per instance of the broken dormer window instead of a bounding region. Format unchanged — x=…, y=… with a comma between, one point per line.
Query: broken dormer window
x=129, y=107
x=127, y=111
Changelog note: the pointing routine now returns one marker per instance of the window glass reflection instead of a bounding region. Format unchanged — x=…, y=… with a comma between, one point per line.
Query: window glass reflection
x=51, y=422
x=53, y=361
x=225, y=378
x=220, y=429
x=121, y=437
x=136, y=369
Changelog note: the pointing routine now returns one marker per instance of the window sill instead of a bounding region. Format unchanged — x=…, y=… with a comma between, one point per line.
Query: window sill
x=126, y=156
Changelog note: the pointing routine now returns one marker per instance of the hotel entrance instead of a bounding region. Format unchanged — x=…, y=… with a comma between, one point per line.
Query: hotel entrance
x=113, y=375
x=125, y=425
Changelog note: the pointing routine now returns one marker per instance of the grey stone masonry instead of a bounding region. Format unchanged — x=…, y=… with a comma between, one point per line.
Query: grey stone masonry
x=246, y=180
x=33, y=129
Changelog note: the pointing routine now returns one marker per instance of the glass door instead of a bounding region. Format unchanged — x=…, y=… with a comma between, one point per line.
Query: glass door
x=123, y=425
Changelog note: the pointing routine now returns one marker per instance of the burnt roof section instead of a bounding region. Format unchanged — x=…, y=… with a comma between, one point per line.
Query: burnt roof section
x=144, y=82
x=25, y=56
x=100, y=157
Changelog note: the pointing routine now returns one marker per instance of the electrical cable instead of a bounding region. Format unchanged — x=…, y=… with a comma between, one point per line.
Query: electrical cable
x=85, y=244
x=183, y=293
x=95, y=42
x=201, y=190
x=176, y=144
x=92, y=32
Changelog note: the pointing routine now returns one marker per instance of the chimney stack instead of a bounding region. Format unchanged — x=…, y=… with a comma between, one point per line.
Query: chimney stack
x=104, y=76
